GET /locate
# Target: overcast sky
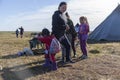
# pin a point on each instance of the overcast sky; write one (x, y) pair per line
(34, 15)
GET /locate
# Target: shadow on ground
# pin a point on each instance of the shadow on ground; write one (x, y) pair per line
(94, 51)
(11, 56)
(22, 72)
(100, 42)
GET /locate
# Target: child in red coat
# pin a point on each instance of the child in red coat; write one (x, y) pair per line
(49, 57)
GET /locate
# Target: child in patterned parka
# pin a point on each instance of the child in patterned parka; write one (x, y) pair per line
(49, 57)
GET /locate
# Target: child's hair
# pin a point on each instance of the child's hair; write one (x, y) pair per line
(86, 21)
(84, 18)
(45, 32)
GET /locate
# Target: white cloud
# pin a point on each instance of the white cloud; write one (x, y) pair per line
(31, 21)
(95, 10)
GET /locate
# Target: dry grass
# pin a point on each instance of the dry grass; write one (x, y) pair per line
(102, 64)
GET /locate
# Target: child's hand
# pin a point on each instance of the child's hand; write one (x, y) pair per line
(46, 51)
(81, 32)
(36, 36)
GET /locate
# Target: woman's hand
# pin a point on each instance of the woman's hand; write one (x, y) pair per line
(67, 27)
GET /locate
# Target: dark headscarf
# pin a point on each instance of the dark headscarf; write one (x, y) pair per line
(62, 3)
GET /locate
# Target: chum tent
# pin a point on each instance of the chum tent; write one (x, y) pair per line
(109, 29)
